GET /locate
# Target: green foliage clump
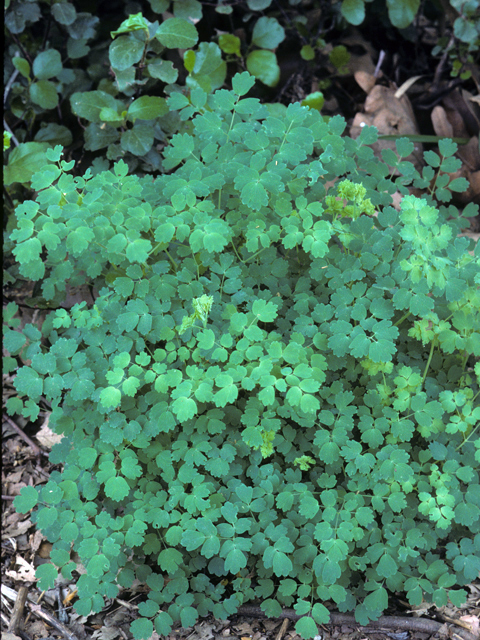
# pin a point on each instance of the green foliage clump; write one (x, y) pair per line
(275, 395)
(112, 87)
(73, 77)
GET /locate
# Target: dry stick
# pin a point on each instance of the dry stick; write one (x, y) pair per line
(460, 623)
(385, 622)
(8, 86)
(18, 609)
(441, 65)
(381, 58)
(35, 447)
(12, 136)
(53, 622)
(39, 599)
(282, 630)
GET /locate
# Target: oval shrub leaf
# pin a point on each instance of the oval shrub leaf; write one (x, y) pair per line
(177, 33)
(268, 33)
(353, 11)
(89, 104)
(47, 64)
(263, 65)
(138, 140)
(64, 13)
(147, 108)
(125, 51)
(44, 94)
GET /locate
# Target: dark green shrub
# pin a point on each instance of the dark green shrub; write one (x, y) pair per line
(276, 393)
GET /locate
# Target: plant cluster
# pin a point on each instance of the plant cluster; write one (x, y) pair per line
(464, 46)
(275, 395)
(71, 76)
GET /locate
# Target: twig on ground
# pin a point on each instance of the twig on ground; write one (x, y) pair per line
(384, 622)
(459, 623)
(18, 609)
(39, 599)
(38, 611)
(441, 65)
(282, 630)
(35, 447)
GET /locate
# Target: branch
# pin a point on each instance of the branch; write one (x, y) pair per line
(385, 622)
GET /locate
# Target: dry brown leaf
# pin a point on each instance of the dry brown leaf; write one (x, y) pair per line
(25, 573)
(17, 529)
(406, 86)
(448, 123)
(365, 80)
(46, 437)
(441, 123)
(363, 61)
(44, 550)
(469, 154)
(35, 541)
(473, 623)
(37, 628)
(15, 488)
(106, 633)
(458, 104)
(15, 476)
(391, 116)
(75, 295)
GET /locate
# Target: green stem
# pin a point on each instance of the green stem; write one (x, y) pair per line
(196, 265)
(255, 254)
(236, 253)
(468, 437)
(404, 317)
(175, 266)
(430, 356)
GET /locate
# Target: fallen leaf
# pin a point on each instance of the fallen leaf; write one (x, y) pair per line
(106, 633)
(35, 541)
(365, 81)
(473, 623)
(25, 573)
(38, 629)
(406, 86)
(69, 597)
(450, 123)
(17, 529)
(391, 116)
(44, 550)
(15, 477)
(441, 124)
(363, 61)
(46, 437)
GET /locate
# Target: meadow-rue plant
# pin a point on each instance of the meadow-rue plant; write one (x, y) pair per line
(275, 395)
